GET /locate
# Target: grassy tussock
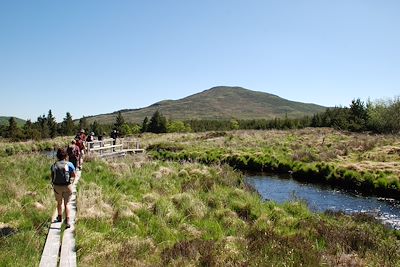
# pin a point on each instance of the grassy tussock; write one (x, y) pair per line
(192, 215)
(368, 163)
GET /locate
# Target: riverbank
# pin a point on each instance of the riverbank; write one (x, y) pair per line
(367, 163)
(139, 212)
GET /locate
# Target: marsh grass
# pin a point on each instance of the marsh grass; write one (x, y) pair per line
(189, 214)
(368, 163)
(26, 206)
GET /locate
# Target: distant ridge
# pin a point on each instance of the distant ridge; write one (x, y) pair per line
(218, 103)
(4, 120)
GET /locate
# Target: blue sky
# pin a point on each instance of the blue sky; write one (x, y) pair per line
(94, 56)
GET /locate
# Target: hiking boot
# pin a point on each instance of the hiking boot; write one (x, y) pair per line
(67, 225)
(58, 219)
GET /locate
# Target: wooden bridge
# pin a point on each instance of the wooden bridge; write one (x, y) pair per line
(107, 148)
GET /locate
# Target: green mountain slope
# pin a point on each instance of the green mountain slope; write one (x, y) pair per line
(4, 121)
(219, 103)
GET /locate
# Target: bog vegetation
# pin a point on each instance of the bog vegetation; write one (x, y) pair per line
(363, 162)
(140, 211)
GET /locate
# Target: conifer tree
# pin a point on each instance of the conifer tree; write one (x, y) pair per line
(52, 124)
(96, 128)
(43, 126)
(145, 125)
(68, 127)
(158, 123)
(83, 124)
(119, 121)
(12, 130)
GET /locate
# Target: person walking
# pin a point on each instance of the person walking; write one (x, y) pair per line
(62, 175)
(73, 152)
(114, 135)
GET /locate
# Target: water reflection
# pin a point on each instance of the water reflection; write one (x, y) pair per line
(322, 198)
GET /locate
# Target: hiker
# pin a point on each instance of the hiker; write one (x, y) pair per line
(73, 152)
(114, 135)
(100, 136)
(90, 139)
(62, 174)
(82, 135)
(80, 143)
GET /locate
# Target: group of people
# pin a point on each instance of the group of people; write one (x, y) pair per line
(63, 171)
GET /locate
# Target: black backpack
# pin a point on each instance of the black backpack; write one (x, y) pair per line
(60, 173)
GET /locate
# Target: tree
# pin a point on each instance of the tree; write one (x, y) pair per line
(12, 129)
(83, 124)
(125, 130)
(43, 126)
(96, 128)
(358, 116)
(28, 130)
(68, 127)
(51, 124)
(119, 121)
(234, 124)
(136, 129)
(176, 127)
(145, 125)
(158, 123)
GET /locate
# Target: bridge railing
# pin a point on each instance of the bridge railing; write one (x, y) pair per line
(107, 146)
(102, 146)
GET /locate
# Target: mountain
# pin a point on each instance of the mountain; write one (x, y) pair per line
(4, 121)
(219, 103)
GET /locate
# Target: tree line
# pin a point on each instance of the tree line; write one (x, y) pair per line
(377, 117)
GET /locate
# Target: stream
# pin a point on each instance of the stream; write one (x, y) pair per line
(321, 198)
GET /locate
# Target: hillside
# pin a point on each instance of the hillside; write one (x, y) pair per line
(219, 103)
(4, 121)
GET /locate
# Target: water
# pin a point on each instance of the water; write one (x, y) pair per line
(322, 198)
(49, 154)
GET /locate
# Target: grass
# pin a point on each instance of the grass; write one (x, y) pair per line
(139, 212)
(368, 163)
(26, 204)
(15, 148)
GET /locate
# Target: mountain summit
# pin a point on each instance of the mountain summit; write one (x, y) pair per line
(219, 103)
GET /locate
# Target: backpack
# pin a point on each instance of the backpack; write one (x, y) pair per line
(60, 173)
(80, 144)
(73, 152)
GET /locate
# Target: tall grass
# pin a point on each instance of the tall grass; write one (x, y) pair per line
(26, 205)
(188, 214)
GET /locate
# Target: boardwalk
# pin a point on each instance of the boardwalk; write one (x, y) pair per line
(61, 251)
(107, 148)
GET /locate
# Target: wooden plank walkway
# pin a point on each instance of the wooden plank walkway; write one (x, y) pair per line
(106, 148)
(63, 252)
